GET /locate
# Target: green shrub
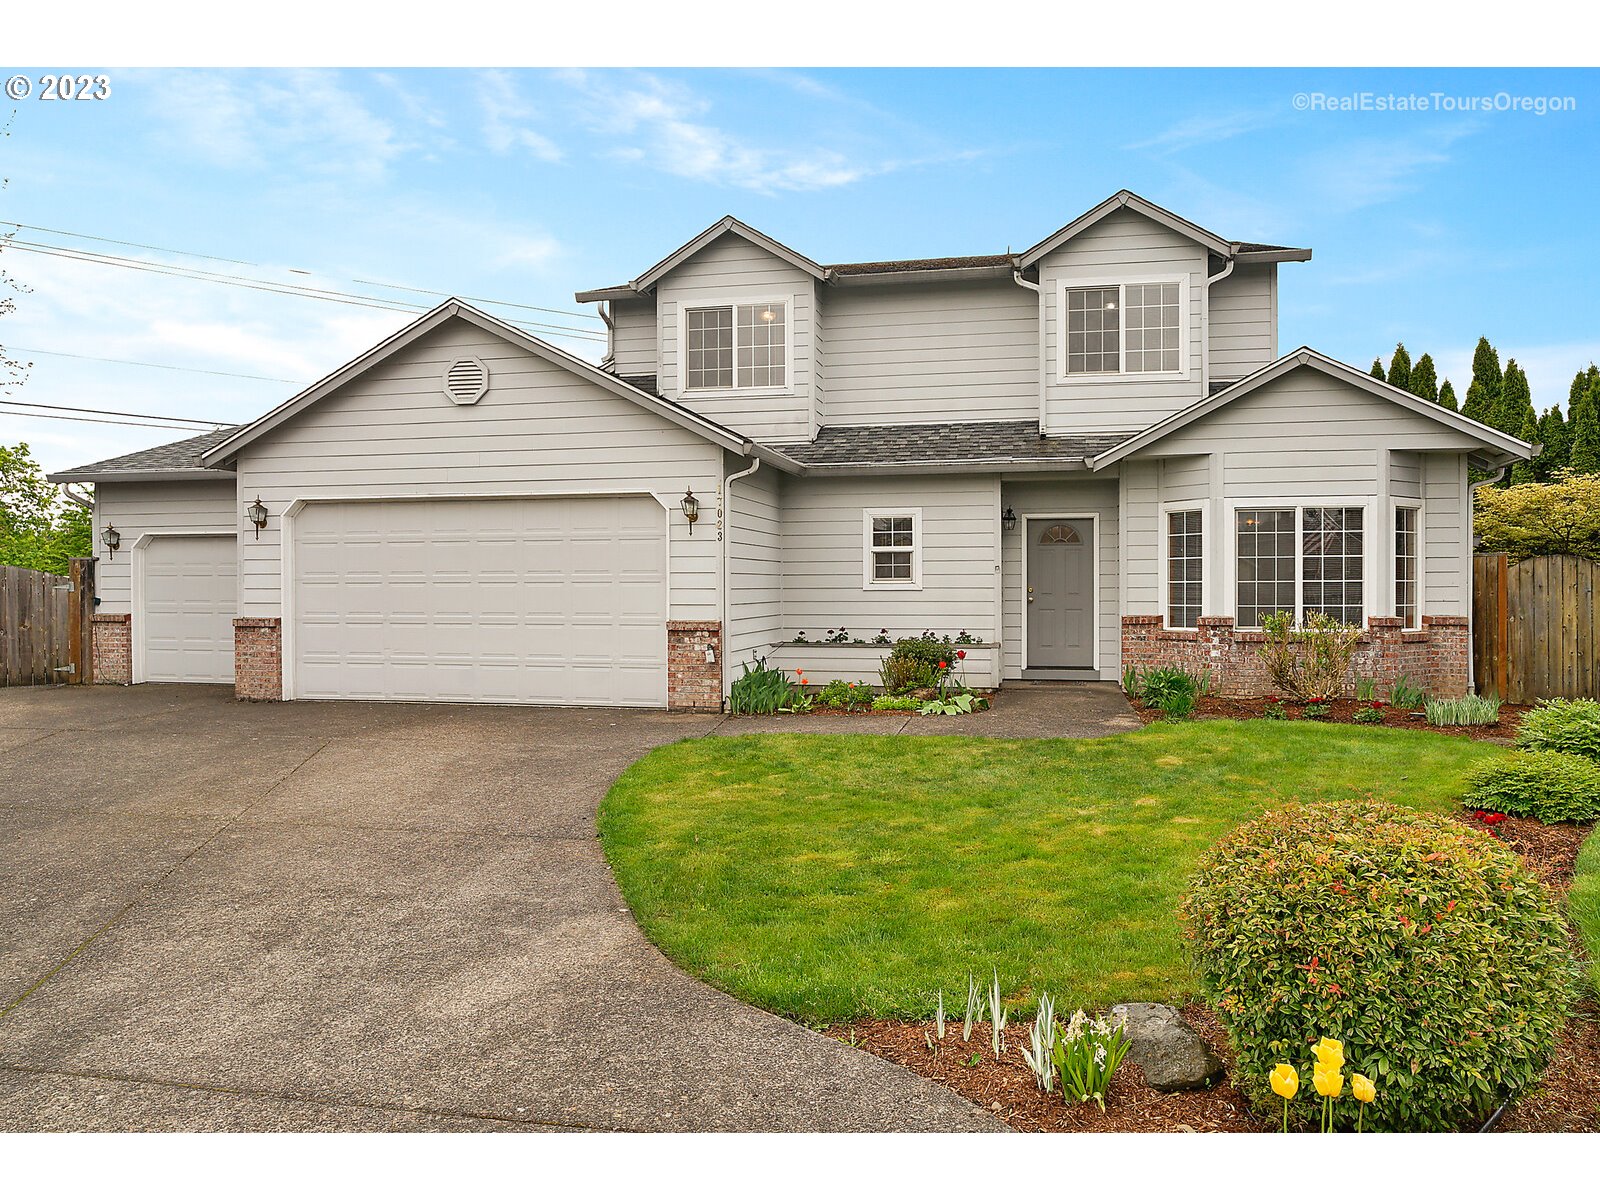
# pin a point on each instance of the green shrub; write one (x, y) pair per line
(1570, 726)
(1173, 691)
(763, 689)
(1468, 710)
(1543, 784)
(924, 662)
(896, 704)
(839, 694)
(1308, 660)
(1583, 904)
(1369, 714)
(1427, 948)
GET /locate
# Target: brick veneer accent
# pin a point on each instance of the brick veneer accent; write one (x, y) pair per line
(693, 684)
(1436, 658)
(258, 658)
(113, 647)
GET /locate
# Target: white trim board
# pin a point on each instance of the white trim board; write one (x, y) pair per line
(139, 673)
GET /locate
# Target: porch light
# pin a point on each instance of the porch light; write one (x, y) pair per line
(691, 508)
(257, 513)
(1008, 519)
(112, 539)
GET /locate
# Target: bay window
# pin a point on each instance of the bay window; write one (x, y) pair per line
(1299, 560)
(1405, 566)
(1184, 569)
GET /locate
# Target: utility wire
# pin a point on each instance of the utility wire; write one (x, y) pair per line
(240, 262)
(190, 429)
(117, 412)
(131, 362)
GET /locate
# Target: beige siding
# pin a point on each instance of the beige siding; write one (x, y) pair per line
(1096, 497)
(755, 571)
(1405, 475)
(732, 270)
(823, 557)
(1122, 246)
(1242, 335)
(140, 508)
(1447, 543)
(938, 352)
(540, 430)
(633, 337)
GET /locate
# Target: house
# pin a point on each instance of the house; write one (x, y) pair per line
(1087, 456)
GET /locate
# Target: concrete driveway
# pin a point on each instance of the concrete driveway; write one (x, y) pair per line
(361, 916)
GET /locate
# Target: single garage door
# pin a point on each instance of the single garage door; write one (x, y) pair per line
(547, 601)
(190, 591)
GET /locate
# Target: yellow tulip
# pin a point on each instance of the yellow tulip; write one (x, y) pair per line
(1285, 1081)
(1329, 1081)
(1330, 1053)
(1363, 1089)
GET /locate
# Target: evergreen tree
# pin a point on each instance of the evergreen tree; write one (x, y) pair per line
(1425, 379)
(1447, 396)
(1377, 368)
(1523, 472)
(1556, 438)
(1585, 457)
(1483, 393)
(1516, 402)
(1400, 368)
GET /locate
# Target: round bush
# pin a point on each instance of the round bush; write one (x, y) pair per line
(1570, 726)
(1427, 948)
(1543, 784)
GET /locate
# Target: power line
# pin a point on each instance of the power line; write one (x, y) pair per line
(110, 421)
(116, 412)
(240, 262)
(131, 362)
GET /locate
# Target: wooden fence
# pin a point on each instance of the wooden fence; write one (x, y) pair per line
(1535, 627)
(45, 635)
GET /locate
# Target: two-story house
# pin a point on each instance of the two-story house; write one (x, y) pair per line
(1087, 455)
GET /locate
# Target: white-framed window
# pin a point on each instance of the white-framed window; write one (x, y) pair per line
(1300, 559)
(892, 548)
(1185, 568)
(1132, 327)
(731, 346)
(1407, 560)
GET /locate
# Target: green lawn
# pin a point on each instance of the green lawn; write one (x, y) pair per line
(841, 876)
(1583, 902)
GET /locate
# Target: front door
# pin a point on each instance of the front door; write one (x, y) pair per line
(1060, 603)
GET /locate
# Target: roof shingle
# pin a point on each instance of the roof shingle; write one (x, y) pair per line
(174, 456)
(979, 444)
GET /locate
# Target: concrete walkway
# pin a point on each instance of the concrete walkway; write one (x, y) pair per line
(371, 916)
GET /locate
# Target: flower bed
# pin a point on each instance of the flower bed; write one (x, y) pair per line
(1344, 712)
(822, 661)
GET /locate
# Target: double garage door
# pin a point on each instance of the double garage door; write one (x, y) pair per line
(539, 601)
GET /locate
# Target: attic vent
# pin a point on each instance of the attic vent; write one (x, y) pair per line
(466, 380)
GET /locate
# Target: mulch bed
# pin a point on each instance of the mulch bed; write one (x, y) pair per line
(1343, 711)
(1569, 1101)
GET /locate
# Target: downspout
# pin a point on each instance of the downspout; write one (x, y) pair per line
(1016, 277)
(1205, 329)
(727, 521)
(603, 308)
(75, 498)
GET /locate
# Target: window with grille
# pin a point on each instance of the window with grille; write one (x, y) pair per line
(736, 346)
(1300, 561)
(1405, 566)
(1132, 328)
(1266, 563)
(893, 553)
(1184, 569)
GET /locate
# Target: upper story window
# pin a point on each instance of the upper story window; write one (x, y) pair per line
(1125, 328)
(737, 346)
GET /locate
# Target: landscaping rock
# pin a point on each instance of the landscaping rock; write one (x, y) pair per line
(1170, 1053)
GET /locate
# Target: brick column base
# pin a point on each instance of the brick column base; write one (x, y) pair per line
(693, 684)
(1436, 658)
(113, 647)
(258, 658)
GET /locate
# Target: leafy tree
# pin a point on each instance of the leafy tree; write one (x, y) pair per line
(1516, 401)
(1425, 379)
(38, 530)
(1529, 519)
(1377, 368)
(1585, 456)
(1483, 393)
(1556, 437)
(1400, 368)
(1447, 396)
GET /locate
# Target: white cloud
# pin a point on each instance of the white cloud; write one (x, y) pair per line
(506, 117)
(1205, 130)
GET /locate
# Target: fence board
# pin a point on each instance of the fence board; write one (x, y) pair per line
(44, 618)
(1536, 632)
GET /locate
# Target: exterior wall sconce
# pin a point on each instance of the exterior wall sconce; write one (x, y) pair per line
(257, 513)
(112, 539)
(691, 508)
(1008, 519)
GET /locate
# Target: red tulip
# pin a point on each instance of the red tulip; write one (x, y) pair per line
(961, 653)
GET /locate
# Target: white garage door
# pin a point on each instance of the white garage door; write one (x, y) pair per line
(548, 601)
(190, 596)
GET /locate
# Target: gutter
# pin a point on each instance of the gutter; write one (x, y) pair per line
(166, 475)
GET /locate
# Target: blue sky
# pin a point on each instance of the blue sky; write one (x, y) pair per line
(1432, 226)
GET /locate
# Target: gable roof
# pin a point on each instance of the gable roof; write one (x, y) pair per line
(946, 446)
(454, 309)
(170, 463)
(1509, 448)
(1218, 245)
(728, 224)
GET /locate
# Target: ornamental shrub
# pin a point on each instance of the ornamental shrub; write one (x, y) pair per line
(839, 693)
(1570, 726)
(1175, 692)
(1543, 784)
(1311, 660)
(1427, 948)
(924, 662)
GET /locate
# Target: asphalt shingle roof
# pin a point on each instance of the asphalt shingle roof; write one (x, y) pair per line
(170, 457)
(921, 264)
(979, 443)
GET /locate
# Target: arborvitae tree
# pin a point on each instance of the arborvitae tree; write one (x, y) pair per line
(1483, 393)
(1400, 368)
(1425, 379)
(1516, 401)
(1377, 368)
(1447, 396)
(1556, 438)
(1523, 472)
(1585, 458)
